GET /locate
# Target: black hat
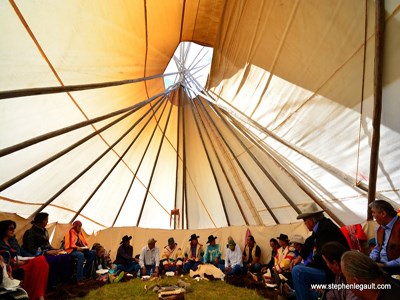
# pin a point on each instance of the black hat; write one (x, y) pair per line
(125, 238)
(283, 237)
(193, 237)
(211, 238)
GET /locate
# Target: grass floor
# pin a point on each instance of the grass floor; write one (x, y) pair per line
(200, 290)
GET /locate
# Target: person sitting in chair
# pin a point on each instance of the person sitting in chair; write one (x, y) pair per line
(75, 244)
(387, 250)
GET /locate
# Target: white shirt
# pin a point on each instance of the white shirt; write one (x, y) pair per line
(233, 258)
(149, 257)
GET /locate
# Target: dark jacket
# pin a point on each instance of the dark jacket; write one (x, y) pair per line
(34, 238)
(327, 232)
(124, 255)
(14, 250)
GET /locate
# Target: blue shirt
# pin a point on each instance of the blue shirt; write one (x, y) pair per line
(212, 252)
(381, 256)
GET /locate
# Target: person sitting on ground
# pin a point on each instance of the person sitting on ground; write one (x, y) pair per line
(284, 256)
(233, 259)
(323, 231)
(251, 256)
(125, 260)
(35, 270)
(149, 259)
(213, 252)
(75, 244)
(331, 253)
(361, 271)
(36, 242)
(297, 241)
(387, 251)
(193, 254)
(171, 257)
(274, 246)
(100, 270)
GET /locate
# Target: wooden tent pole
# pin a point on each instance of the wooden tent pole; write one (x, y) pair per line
(156, 160)
(260, 144)
(221, 165)
(376, 121)
(239, 182)
(74, 88)
(335, 171)
(184, 188)
(72, 181)
(154, 109)
(241, 166)
(109, 173)
(44, 163)
(144, 152)
(196, 118)
(49, 135)
(177, 159)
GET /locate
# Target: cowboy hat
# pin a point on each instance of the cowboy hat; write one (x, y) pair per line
(125, 238)
(297, 238)
(283, 237)
(211, 238)
(309, 210)
(151, 241)
(193, 237)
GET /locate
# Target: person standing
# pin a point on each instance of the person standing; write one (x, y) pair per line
(149, 259)
(75, 244)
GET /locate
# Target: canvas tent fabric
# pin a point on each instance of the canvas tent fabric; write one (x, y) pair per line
(111, 237)
(284, 120)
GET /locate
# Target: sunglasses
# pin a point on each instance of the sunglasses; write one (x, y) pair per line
(11, 228)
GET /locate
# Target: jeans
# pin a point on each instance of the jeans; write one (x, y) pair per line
(303, 277)
(149, 269)
(236, 269)
(256, 268)
(89, 255)
(190, 265)
(133, 267)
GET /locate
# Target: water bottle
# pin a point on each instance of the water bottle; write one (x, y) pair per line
(38, 251)
(138, 273)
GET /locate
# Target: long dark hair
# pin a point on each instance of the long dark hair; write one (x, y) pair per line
(39, 218)
(275, 241)
(4, 225)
